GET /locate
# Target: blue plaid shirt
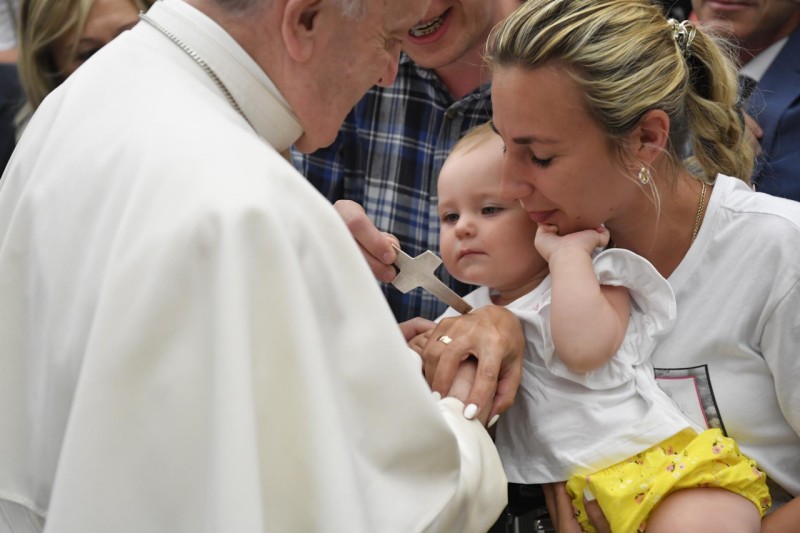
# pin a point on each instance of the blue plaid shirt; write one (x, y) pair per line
(387, 157)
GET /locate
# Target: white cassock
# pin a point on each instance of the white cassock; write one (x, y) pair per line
(190, 340)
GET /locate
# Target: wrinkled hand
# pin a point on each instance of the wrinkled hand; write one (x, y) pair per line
(416, 328)
(418, 343)
(562, 515)
(494, 336)
(376, 245)
(549, 242)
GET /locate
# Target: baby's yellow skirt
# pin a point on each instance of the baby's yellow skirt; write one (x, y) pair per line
(628, 491)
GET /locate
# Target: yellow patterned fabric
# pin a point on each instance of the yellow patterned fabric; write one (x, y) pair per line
(628, 491)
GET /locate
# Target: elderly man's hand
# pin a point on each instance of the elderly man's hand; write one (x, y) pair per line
(493, 335)
(375, 244)
(416, 330)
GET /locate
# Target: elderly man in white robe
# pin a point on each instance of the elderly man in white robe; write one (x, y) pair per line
(190, 339)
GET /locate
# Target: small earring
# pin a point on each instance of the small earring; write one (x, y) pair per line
(644, 175)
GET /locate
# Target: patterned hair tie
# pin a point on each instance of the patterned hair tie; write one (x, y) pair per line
(683, 33)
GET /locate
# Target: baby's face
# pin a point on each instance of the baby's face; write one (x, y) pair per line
(485, 240)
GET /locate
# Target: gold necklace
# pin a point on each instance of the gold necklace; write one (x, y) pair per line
(699, 216)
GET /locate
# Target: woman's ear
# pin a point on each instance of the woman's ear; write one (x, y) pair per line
(300, 27)
(649, 139)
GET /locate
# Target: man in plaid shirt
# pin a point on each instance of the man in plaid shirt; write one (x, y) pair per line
(392, 145)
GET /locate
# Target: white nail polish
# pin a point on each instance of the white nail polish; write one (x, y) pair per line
(470, 411)
(436, 396)
(493, 421)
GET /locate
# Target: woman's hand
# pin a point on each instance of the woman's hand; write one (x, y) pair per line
(493, 335)
(375, 244)
(562, 515)
(559, 507)
(464, 376)
(462, 383)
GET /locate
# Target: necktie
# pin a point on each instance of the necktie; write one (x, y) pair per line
(746, 87)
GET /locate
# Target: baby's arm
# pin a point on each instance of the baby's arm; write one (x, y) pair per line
(588, 320)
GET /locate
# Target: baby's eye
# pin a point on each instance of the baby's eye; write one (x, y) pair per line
(450, 218)
(491, 210)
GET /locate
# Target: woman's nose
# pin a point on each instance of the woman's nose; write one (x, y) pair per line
(513, 185)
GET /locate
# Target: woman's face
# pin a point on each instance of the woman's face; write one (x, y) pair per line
(106, 20)
(558, 163)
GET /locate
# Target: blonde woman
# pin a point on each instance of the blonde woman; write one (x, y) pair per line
(57, 36)
(591, 321)
(596, 101)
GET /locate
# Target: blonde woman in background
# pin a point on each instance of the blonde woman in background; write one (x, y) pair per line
(57, 36)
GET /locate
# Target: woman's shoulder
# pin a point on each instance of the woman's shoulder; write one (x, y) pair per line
(739, 197)
(749, 234)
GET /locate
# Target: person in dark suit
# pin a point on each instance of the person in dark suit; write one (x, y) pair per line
(677, 9)
(768, 35)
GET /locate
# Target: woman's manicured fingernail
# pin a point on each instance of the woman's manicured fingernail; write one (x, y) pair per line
(437, 396)
(470, 411)
(493, 421)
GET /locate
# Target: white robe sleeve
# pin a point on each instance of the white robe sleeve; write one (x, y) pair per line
(241, 372)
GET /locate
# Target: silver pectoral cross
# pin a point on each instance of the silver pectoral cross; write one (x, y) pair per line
(419, 272)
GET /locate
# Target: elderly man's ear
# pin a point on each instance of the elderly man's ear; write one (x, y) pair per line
(300, 26)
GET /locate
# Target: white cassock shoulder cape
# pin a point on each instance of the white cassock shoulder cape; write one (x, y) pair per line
(190, 340)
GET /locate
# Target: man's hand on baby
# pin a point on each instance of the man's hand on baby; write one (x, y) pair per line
(376, 245)
(548, 242)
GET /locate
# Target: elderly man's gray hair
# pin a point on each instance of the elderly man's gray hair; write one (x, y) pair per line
(350, 8)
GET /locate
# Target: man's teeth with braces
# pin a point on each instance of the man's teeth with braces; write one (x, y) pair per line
(427, 28)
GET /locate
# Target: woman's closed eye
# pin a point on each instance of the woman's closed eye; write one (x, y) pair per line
(541, 162)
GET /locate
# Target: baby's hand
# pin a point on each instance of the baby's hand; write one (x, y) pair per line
(548, 241)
